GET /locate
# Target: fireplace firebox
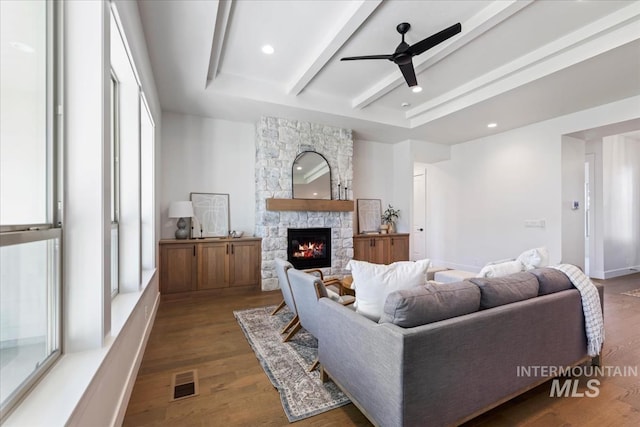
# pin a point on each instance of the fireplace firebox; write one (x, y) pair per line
(309, 247)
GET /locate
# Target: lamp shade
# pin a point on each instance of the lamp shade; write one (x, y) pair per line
(181, 210)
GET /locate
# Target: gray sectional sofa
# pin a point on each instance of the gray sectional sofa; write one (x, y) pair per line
(444, 353)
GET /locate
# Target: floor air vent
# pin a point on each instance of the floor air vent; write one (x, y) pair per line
(184, 384)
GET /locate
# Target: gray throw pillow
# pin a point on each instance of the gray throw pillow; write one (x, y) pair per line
(506, 289)
(551, 280)
(430, 303)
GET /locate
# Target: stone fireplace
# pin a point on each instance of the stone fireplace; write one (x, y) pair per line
(278, 142)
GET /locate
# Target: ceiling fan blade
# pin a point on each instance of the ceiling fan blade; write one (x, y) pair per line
(409, 73)
(354, 58)
(434, 40)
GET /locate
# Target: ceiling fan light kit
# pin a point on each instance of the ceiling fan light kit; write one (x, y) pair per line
(404, 53)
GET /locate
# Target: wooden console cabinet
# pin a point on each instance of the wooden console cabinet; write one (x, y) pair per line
(197, 265)
(381, 248)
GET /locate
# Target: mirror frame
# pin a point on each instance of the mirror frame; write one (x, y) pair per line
(293, 171)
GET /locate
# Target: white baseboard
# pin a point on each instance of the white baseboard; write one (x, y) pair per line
(609, 274)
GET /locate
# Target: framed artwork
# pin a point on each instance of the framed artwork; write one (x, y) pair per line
(211, 215)
(369, 214)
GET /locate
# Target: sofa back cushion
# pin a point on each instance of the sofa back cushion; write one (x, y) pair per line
(507, 289)
(551, 280)
(430, 303)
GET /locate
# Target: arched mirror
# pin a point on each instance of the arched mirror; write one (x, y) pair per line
(311, 176)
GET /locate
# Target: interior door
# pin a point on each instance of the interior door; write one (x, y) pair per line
(418, 234)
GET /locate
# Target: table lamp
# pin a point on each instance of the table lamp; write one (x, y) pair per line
(181, 210)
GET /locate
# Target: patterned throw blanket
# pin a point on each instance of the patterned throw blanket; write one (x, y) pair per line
(591, 307)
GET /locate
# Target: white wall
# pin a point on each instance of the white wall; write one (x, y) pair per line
(205, 155)
(480, 198)
(372, 174)
(402, 193)
(572, 238)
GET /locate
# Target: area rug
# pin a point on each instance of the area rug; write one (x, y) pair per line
(634, 293)
(302, 393)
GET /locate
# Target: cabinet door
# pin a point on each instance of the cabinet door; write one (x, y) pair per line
(378, 251)
(361, 247)
(211, 265)
(178, 264)
(244, 263)
(399, 248)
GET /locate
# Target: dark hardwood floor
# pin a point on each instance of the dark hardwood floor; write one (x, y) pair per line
(202, 333)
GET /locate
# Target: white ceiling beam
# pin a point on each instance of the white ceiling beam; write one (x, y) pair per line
(352, 20)
(480, 23)
(609, 32)
(217, 43)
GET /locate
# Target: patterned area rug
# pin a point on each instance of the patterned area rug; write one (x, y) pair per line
(634, 293)
(302, 393)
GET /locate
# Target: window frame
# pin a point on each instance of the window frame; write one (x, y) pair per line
(115, 183)
(17, 234)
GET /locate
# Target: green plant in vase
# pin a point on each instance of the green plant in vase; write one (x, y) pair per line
(390, 216)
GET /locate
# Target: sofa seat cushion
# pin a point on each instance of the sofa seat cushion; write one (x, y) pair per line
(373, 282)
(430, 303)
(506, 289)
(551, 280)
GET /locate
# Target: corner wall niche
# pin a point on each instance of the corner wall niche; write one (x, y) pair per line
(278, 143)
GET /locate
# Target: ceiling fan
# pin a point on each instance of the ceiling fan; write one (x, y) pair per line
(404, 52)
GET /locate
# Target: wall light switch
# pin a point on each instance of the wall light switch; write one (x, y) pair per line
(535, 223)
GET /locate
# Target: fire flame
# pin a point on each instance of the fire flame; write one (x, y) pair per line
(310, 250)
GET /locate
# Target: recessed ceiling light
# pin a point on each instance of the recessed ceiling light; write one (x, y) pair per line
(492, 125)
(299, 168)
(416, 89)
(267, 49)
(315, 194)
(405, 104)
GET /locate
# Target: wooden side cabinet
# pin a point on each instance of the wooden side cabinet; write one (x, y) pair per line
(381, 248)
(212, 264)
(178, 268)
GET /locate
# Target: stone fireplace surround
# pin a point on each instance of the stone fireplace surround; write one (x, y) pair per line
(278, 142)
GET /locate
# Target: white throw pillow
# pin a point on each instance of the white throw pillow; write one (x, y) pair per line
(501, 269)
(373, 282)
(534, 258)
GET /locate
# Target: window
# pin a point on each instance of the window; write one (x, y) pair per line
(115, 185)
(133, 169)
(29, 242)
(146, 186)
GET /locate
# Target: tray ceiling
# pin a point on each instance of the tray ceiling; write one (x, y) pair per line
(514, 63)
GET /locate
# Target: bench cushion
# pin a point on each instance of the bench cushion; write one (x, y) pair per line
(430, 303)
